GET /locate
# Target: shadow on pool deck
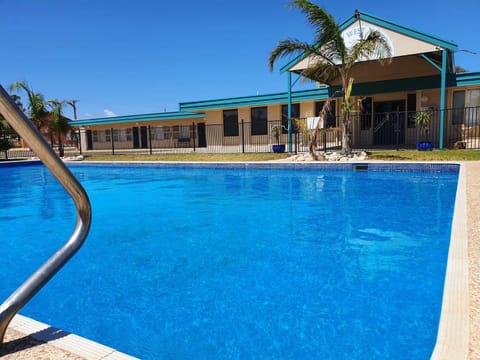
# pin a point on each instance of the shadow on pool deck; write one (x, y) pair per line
(18, 346)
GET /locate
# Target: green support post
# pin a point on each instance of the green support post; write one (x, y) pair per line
(442, 96)
(289, 112)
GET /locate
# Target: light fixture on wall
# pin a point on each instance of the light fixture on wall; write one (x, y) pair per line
(424, 99)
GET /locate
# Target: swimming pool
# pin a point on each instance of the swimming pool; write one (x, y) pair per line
(214, 262)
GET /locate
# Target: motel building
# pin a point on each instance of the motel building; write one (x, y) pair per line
(421, 77)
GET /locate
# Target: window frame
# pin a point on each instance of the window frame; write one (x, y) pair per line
(230, 122)
(259, 120)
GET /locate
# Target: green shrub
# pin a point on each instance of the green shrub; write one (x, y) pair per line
(5, 145)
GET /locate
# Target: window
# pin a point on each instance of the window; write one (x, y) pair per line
(122, 134)
(411, 110)
(101, 136)
(458, 116)
(472, 102)
(259, 120)
(128, 134)
(185, 132)
(157, 132)
(295, 115)
(230, 122)
(167, 132)
(331, 120)
(176, 131)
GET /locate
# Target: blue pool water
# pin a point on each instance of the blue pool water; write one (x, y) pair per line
(212, 263)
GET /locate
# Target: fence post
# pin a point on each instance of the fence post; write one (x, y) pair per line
(80, 141)
(113, 141)
(295, 134)
(193, 135)
(397, 129)
(150, 138)
(243, 137)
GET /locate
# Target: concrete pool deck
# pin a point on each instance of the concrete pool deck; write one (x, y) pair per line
(28, 339)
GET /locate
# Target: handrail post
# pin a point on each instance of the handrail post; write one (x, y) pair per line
(38, 144)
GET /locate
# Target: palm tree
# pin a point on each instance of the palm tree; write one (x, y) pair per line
(59, 125)
(73, 104)
(333, 59)
(36, 103)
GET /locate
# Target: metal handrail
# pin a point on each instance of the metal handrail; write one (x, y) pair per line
(25, 128)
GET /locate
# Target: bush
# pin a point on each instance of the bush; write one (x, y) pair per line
(5, 145)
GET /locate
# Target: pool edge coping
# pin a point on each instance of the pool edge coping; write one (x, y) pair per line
(453, 334)
(71, 343)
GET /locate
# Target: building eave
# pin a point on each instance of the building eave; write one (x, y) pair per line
(277, 98)
(177, 115)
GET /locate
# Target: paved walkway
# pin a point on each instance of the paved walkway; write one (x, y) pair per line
(473, 222)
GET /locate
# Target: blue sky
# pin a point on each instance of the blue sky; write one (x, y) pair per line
(145, 56)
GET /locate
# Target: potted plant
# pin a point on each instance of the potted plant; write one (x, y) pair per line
(422, 120)
(277, 132)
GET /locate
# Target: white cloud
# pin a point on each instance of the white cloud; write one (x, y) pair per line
(109, 113)
(88, 115)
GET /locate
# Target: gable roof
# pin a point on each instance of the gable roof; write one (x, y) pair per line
(436, 42)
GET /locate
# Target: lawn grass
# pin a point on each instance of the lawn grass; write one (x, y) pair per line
(191, 157)
(387, 155)
(415, 155)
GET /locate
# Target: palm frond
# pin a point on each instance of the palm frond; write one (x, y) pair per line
(60, 123)
(322, 72)
(374, 46)
(20, 85)
(288, 47)
(326, 28)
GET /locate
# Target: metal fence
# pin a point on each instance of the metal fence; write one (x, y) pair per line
(389, 130)
(245, 137)
(400, 129)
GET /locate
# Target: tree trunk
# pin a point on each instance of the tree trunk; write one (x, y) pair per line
(61, 152)
(346, 146)
(313, 145)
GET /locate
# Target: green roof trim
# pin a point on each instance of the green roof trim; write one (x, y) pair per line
(449, 45)
(467, 79)
(174, 115)
(396, 85)
(277, 98)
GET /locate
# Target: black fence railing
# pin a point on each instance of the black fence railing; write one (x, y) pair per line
(389, 130)
(401, 129)
(244, 137)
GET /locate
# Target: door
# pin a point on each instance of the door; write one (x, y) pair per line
(389, 122)
(202, 139)
(136, 140)
(143, 137)
(89, 140)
